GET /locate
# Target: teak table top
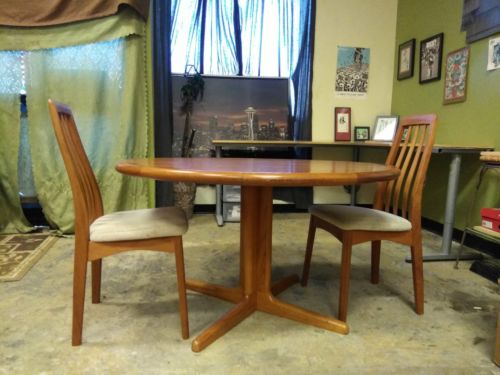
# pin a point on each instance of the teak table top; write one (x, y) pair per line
(258, 172)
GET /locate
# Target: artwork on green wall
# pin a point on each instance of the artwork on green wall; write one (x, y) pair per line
(406, 59)
(431, 54)
(455, 80)
(494, 53)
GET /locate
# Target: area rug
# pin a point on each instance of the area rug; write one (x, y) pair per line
(19, 252)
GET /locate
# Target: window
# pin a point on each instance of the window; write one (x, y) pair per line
(237, 37)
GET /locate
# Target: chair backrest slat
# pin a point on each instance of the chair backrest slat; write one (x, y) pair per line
(418, 134)
(404, 159)
(410, 152)
(86, 195)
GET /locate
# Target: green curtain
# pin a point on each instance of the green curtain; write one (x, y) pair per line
(11, 214)
(105, 84)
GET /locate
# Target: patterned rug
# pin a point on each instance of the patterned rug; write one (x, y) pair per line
(19, 252)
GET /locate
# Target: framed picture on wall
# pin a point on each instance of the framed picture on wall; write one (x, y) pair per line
(385, 128)
(406, 59)
(361, 133)
(493, 54)
(342, 123)
(431, 54)
(455, 79)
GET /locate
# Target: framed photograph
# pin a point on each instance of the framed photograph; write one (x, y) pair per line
(406, 59)
(385, 128)
(455, 79)
(431, 54)
(342, 123)
(361, 133)
(493, 54)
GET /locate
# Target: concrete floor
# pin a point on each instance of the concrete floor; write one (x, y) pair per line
(135, 330)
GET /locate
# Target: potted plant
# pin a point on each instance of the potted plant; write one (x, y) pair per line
(191, 91)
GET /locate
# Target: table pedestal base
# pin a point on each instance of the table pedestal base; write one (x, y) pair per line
(255, 292)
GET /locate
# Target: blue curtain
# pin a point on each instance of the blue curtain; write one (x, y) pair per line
(480, 19)
(162, 97)
(272, 38)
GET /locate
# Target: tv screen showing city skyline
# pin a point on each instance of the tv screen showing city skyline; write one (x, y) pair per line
(228, 105)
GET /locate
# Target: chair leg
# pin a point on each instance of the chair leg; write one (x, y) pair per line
(375, 262)
(345, 276)
(96, 280)
(418, 277)
(181, 285)
(309, 249)
(79, 279)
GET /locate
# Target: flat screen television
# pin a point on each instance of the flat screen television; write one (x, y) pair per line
(229, 105)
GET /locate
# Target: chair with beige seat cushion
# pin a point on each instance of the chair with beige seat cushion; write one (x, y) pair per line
(98, 235)
(395, 216)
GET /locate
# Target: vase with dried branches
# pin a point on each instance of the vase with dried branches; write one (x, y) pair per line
(191, 91)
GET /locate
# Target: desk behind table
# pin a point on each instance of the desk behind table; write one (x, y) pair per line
(456, 153)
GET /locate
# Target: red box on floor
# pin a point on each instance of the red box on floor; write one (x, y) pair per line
(490, 219)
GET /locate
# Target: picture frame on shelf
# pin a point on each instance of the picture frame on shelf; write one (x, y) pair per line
(406, 59)
(431, 55)
(361, 133)
(385, 128)
(455, 79)
(342, 124)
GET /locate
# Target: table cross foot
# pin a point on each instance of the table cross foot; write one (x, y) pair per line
(271, 305)
(234, 316)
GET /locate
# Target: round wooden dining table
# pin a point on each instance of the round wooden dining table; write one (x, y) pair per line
(257, 178)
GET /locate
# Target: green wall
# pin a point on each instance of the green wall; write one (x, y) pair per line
(475, 122)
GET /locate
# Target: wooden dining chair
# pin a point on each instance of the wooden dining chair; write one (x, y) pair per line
(395, 216)
(98, 236)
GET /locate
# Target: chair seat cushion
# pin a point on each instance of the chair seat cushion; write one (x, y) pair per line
(139, 224)
(360, 218)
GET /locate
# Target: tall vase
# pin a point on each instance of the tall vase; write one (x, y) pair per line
(184, 195)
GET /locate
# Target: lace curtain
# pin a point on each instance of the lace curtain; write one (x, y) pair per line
(105, 84)
(11, 216)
